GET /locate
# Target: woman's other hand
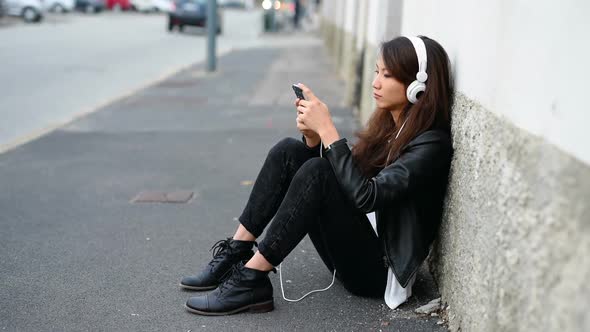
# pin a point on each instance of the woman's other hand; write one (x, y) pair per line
(314, 115)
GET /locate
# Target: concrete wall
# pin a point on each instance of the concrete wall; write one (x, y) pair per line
(512, 252)
(512, 249)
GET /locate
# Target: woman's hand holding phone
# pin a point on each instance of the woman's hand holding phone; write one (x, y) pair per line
(311, 138)
(313, 115)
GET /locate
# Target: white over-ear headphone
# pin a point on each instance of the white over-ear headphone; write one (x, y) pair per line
(419, 85)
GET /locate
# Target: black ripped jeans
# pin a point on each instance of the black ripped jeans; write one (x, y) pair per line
(300, 194)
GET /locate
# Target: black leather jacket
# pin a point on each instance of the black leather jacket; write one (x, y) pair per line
(407, 196)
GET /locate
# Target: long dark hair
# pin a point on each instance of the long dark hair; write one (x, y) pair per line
(432, 111)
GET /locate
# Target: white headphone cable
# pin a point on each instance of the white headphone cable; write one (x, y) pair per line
(281, 268)
(304, 296)
(396, 136)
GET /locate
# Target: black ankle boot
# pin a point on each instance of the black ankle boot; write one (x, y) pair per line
(245, 289)
(226, 253)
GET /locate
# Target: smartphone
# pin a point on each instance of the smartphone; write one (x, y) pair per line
(298, 92)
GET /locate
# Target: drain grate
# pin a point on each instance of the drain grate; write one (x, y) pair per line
(179, 196)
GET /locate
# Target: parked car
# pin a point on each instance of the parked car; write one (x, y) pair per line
(118, 4)
(239, 4)
(147, 6)
(59, 6)
(192, 13)
(89, 6)
(29, 10)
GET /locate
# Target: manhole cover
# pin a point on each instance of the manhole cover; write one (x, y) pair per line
(179, 196)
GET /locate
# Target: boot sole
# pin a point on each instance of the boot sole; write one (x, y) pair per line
(196, 288)
(255, 308)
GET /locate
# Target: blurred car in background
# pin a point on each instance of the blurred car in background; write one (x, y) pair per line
(59, 6)
(192, 13)
(89, 6)
(118, 4)
(147, 6)
(239, 4)
(29, 10)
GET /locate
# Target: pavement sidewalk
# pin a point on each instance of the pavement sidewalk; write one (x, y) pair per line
(78, 254)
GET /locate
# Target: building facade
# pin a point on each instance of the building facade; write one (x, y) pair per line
(512, 251)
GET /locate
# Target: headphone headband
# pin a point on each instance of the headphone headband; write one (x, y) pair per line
(419, 85)
(420, 48)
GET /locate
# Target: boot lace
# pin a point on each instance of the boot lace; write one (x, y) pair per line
(233, 276)
(230, 278)
(219, 248)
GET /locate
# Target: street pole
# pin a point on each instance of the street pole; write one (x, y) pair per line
(211, 34)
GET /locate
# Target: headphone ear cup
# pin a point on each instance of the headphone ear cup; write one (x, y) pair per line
(413, 90)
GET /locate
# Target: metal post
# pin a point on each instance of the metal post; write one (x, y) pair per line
(211, 34)
(273, 23)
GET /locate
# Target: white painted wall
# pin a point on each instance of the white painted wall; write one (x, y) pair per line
(361, 27)
(328, 10)
(522, 59)
(340, 7)
(350, 15)
(377, 14)
(392, 20)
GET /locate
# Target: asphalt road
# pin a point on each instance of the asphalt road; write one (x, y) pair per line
(69, 65)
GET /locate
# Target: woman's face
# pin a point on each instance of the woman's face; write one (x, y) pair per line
(388, 92)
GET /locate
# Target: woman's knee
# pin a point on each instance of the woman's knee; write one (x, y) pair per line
(317, 165)
(316, 171)
(286, 145)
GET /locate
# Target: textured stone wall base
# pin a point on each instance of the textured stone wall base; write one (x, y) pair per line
(513, 252)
